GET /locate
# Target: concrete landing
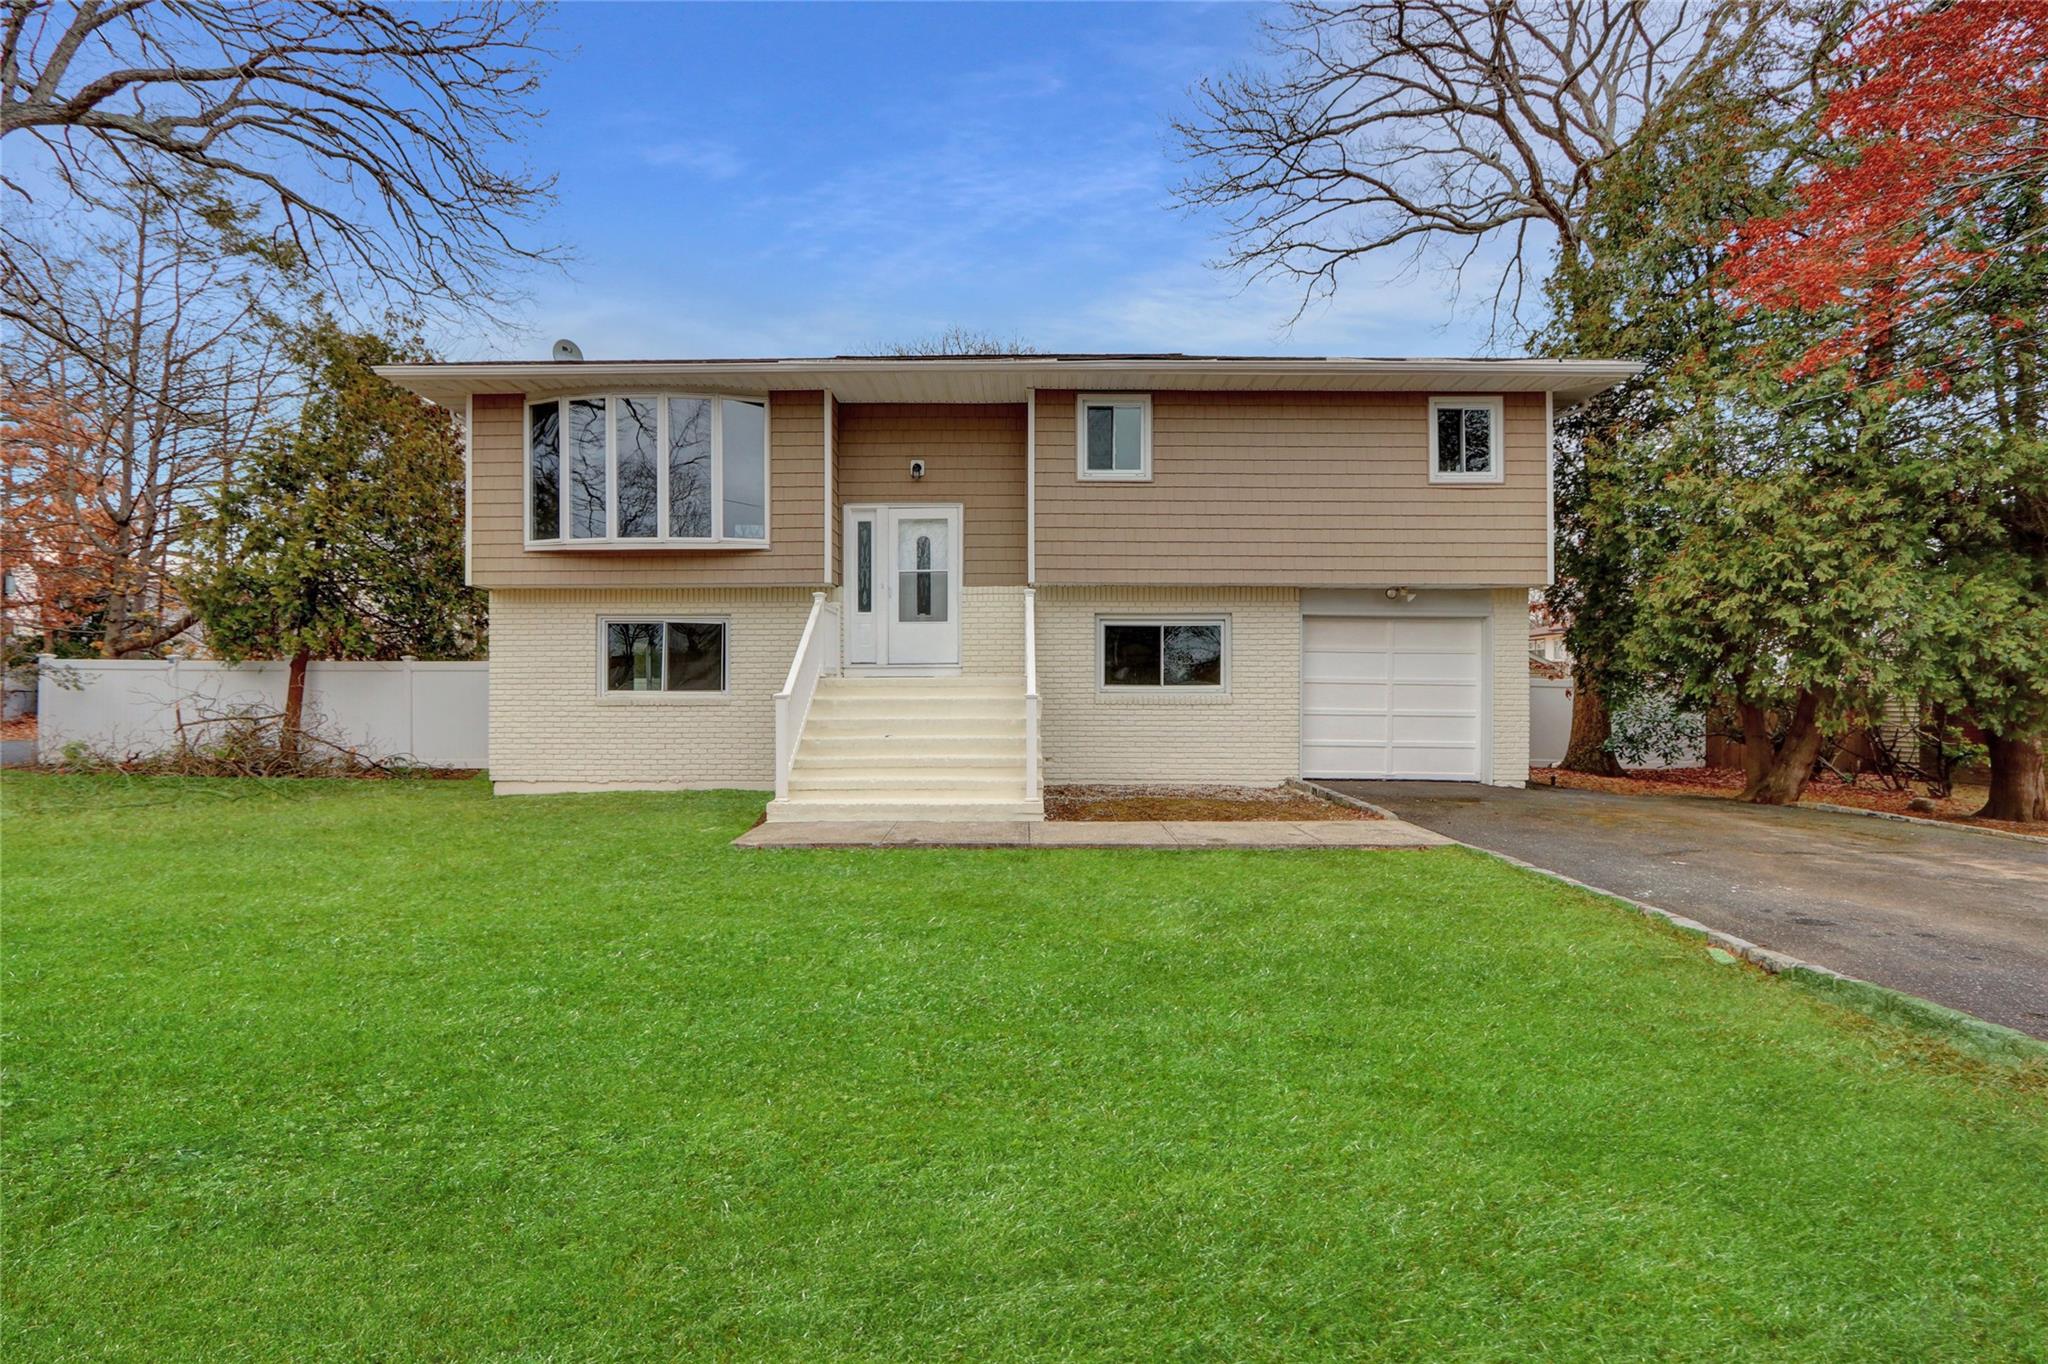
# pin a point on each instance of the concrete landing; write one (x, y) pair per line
(1333, 833)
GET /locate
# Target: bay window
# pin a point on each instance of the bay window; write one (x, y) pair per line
(634, 471)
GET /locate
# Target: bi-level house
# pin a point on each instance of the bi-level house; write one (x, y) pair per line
(921, 588)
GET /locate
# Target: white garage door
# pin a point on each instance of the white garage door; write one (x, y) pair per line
(1391, 698)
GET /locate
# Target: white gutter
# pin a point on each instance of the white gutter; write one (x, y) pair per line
(1030, 487)
(831, 522)
(1007, 379)
(1550, 490)
(1038, 368)
(469, 490)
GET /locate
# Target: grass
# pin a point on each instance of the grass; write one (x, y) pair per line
(397, 1071)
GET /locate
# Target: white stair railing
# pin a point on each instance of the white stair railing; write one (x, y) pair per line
(817, 655)
(1032, 787)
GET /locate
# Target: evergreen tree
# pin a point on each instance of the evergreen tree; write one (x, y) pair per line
(341, 536)
(1639, 285)
(1915, 253)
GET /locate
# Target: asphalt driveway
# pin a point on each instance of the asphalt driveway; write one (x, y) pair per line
(1956, 917)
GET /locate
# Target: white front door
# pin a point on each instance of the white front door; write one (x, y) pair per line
(902, 586)
(1393, 697)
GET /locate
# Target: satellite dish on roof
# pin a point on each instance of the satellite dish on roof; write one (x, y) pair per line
(565, 349)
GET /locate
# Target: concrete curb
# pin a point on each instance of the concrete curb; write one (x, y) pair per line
(1768, 958)
(1916, 819)
(1244, 835)
(1339, 798)
(1989, 1036)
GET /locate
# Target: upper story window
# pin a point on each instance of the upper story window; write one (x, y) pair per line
(1465, 440)
(630, 471)
(1115, 436)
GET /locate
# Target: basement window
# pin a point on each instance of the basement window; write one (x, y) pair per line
(652, 657)
(1179, 655)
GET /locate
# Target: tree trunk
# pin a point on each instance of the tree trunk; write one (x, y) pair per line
(1586, 751)
(1777, 773)
(294, 708)
(2018, 791)
(1757, 749)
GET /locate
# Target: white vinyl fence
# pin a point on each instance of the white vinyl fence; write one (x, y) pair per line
(1550, 720)
(1550, 729)
(432, 714)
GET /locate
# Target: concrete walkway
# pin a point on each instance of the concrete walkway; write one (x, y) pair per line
(1331, 833)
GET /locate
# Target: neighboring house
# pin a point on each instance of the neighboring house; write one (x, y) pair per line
(912, 587)
(17, 587)
(1546, 643)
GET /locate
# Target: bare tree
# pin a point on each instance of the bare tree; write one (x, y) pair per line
(1442, 133)
(146, 367)
(958, 340)
(371, 134)
(1391, 127)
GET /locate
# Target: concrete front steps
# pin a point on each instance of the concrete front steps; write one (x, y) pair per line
(911, 748)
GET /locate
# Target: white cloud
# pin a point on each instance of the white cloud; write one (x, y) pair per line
(713, 160)
(1014, 80)
(1187, 305)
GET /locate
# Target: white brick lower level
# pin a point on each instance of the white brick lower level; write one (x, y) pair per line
(553, 730)
(1249, 734)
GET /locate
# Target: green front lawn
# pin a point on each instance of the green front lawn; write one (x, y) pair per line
(399, 1071)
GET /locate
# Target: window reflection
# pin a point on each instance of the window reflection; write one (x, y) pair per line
(639, 480)
(689, 468)
(587, 468)
(545, 458)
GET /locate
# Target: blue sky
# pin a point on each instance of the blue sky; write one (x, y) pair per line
(812, 179)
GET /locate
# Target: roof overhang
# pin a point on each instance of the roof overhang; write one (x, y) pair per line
(1006, 379)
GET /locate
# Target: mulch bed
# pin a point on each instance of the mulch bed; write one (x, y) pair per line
(1827, 789)
(24, 728)
(1231, 803)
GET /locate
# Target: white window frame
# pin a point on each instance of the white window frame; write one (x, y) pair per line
(1497, 472)
(1102, 624)
(612, 540)
(662, 696)
(1141, 401)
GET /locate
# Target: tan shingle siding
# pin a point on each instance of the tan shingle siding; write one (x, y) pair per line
(973, 455)
(1282, 488)
(1304, 489)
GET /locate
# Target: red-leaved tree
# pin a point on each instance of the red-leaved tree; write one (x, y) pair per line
(50, 520)
(1945, 105)
(1917, 248)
